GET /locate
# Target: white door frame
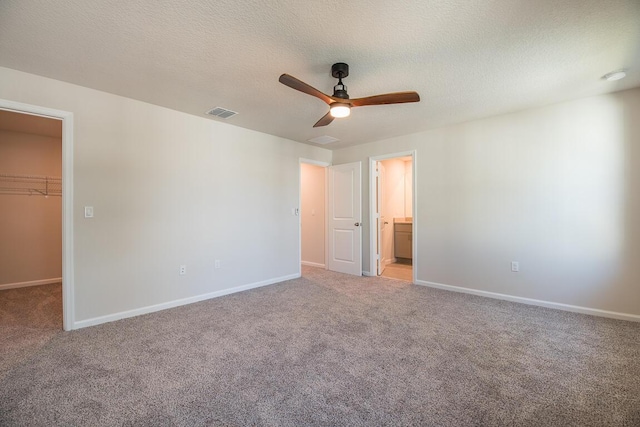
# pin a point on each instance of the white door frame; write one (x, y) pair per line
(372, 209)
(326, 219)
(68, 301)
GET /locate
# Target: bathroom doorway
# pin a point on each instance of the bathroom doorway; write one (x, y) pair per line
(392, 205)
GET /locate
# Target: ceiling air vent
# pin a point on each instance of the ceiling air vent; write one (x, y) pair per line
(223, 113)
(325, 139)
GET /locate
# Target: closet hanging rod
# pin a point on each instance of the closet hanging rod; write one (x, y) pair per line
(30, 185)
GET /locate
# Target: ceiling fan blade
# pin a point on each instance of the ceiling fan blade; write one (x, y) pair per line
(325, 120)
(296, 84)
(387, 98)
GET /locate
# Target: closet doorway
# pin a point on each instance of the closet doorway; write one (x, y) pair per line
(31, 232)
(36, 165)
(392, 206)
(313, 213)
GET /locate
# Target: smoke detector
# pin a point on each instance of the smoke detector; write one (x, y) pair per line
(615, 75)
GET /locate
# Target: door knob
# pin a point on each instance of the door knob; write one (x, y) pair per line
(357, 224)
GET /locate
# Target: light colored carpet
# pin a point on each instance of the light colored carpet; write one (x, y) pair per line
(29, 318)
(337, 350)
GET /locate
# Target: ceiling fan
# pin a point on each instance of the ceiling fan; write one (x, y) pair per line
(339, 103)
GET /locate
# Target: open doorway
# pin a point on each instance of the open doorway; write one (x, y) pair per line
(392, 205)
(31, 193)
(52, 187)
(31, 232)
(313, 199)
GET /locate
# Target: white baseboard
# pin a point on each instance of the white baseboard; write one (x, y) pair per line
(312, 264)
(530, 301)
(176, 303)
(30, 283)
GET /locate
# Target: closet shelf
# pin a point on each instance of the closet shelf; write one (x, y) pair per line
(30, 185)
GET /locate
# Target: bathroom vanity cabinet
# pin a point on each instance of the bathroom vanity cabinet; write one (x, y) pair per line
(403, 237)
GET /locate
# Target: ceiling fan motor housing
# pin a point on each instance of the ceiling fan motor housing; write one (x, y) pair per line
(340, 70)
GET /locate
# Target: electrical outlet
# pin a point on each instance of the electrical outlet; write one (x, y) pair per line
(515, 266)
(183, 270)
(217, 264)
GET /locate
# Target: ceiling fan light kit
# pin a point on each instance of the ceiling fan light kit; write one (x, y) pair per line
(339, 110)
(339, 103)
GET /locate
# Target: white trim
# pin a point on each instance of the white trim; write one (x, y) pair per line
(368, 274)
(326, 216)
(414, 213)
(414, 207)
(530, 301)
(30, 283)
(313, 264)
(314, 162)
(373, 224)
(68, 284)
(176, 303)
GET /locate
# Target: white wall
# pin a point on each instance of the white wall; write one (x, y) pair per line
(555, 188)
(168, 189)
(30, 225)
(312, 212)
(394, 191)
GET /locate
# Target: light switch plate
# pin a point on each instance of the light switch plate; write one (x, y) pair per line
(88, 211)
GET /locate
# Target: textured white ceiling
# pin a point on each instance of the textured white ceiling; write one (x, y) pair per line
(466, 59)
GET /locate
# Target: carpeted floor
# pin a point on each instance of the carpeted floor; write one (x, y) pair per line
(332, 349)
(29, 318)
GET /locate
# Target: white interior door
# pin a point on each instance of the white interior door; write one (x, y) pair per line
(345, 218)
